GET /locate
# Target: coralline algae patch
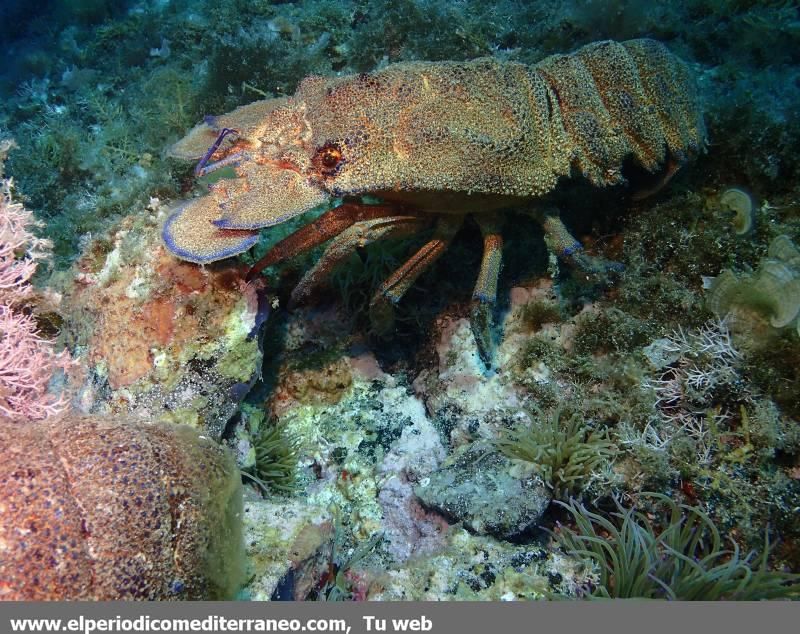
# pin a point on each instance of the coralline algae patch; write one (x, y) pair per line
(166, 338)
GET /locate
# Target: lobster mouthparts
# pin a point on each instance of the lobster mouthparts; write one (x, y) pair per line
(266, 144)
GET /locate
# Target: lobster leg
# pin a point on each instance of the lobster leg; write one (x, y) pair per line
(485, 293)
(360, 234)
(672, 167)
(562, 243)
(381, 308)
(327, 226)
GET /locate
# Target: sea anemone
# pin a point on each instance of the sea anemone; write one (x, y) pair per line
(275, 469)
(684, 560)
(565, 455)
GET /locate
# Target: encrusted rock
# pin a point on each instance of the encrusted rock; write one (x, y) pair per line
(479, 490)
(163, 339)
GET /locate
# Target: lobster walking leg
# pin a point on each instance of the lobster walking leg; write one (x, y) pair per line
(381, 308)
(562, 243)
(358, 235)
(327, 226)
(485, 293)
(672, 168)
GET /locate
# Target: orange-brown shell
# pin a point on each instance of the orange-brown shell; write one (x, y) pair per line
(442, 135)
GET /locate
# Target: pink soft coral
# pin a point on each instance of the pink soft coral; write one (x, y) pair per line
(20, 250)
(27, 361)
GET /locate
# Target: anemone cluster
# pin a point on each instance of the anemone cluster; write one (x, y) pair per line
(678, 556)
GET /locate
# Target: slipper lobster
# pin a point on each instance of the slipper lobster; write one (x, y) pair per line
(435, 142)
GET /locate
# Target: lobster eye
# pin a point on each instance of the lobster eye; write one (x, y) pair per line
(329, 158)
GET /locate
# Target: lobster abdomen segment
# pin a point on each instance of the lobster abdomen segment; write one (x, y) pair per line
(624, 99)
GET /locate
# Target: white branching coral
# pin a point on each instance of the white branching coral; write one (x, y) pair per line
(699, 380)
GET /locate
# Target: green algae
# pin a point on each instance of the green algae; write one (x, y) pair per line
(538, 312)
(610, 330)
(240, 361)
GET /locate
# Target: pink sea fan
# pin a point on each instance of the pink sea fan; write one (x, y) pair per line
(27, 361)
(20, 249)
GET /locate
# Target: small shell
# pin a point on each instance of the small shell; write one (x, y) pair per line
(739, 201)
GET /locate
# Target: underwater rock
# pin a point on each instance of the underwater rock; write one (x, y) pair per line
(163, 339)
(316, 385)
(458, 392)
(110, 508)
(772, 292)
(369, 442)
(408, 528)
(464, 399)
(479, 490)
(662, 352)
(365, 439)
(283, 537)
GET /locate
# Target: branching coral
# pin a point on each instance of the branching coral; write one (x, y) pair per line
(27, 363)
(684, 560)
(20, 250)
(567, 456)
(698, 385)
